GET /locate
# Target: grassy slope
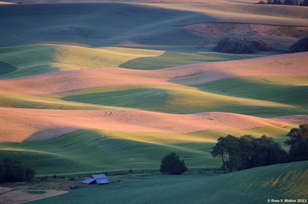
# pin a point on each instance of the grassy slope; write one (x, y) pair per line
(224, 97)
(20, 61)
(105, 151)
(283, 181)
(172, 59)
(229, 95)
(97, 25)
(28, 60)
(31, 60)
(151, 26)
(76, 57)
(115, 150)
(262, 88)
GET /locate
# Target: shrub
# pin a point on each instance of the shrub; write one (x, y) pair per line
(262, 45)
(235, 45)
(171, 164)
(300, 46)
(242, 46)
(130, 171)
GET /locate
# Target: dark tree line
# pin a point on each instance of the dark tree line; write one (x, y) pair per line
(249, 152)
(285, 2)
(13, 171)
(242, 46)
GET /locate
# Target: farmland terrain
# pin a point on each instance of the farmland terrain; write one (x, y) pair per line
(95, 87)
(271, 182)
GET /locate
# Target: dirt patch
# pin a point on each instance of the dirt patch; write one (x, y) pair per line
(11, 196)
(42, 187)
(4, 190)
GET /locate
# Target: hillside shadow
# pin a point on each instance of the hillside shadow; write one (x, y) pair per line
(98, 25)
(6, 68)
(51, 133)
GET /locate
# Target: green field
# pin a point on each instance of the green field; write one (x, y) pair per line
(172, 59)
(104, 152)
(283, 181)
(29, 60)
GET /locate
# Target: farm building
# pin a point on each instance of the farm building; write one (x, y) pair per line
(96, 179)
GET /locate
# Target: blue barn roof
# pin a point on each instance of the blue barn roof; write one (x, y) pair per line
(96, 178)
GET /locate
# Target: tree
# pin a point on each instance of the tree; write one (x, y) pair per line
(227, 148)
(171, 164)
(267, 152)
(30, 173)
(13, 171)
(298, 142)
(291, 2)
(247, 150)
(300, 46)
(305, 3)
(242, 46)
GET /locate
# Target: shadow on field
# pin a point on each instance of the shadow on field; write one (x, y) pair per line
(6, 68)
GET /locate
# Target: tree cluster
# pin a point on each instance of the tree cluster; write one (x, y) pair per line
(285, 2)
(242, 46)
(298, 143)
(248, 152)
(300, 46)
(171, 164)
(13, 171)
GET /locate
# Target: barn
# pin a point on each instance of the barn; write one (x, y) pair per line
(96, 179)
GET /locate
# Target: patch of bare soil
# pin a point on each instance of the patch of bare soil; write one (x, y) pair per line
(16, 195)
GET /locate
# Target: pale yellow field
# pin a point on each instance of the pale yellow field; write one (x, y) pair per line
(76, 57)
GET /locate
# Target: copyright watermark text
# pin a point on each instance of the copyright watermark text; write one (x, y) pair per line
(287, 200)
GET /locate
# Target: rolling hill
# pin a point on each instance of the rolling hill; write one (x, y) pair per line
(116, 85)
